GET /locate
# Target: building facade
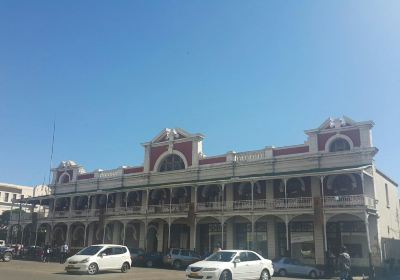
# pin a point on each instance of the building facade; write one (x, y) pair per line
(305, 201)
(10, 192)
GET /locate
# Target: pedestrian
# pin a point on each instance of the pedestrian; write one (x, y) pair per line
(46, 253)
(63, 252)
(344, 263)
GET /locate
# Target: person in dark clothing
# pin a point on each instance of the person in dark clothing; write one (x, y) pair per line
(344, 263)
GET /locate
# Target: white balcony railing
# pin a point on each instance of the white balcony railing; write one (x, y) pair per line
(61, 214)
(178, 208)
(249, 156)
(209, 206)
(135, 210)
(300, 202)
(163, 208)
(79, 213)
(349, 201)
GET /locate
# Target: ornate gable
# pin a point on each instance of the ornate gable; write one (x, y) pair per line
(336, 123)
(171, 134)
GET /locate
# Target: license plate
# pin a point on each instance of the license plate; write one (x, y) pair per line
(194, 274)
(70, 266)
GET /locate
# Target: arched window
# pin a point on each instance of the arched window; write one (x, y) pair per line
(295, 187)
(339, 145)
(64, 178)
(171, 162)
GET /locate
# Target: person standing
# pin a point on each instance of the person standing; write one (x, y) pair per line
(63, 252)
(344, 263)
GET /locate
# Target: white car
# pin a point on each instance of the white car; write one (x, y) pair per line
(231, 265)
(99, 257)
(287, 266)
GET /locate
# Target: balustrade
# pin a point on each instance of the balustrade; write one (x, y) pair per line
(349, 201)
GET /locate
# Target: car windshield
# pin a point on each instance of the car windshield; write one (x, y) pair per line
(90, 251)
(221, 257)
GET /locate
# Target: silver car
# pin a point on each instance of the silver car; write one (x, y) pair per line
(288, 266)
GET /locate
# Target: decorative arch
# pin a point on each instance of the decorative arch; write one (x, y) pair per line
(64, 178)
(342, 184)
(165, 155)
(338, 137)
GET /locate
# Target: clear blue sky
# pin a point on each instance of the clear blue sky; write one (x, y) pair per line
(246, 74)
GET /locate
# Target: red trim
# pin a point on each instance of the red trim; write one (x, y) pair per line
(85, 176)
(186, 149)
(290, 151)
(212, 160)
(155, 153)
(322, 139)
(133, 170)
(354, 135)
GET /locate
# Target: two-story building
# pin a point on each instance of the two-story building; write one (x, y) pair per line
(304, 200)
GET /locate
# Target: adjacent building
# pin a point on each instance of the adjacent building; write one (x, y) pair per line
(305, 200)
(10, 192)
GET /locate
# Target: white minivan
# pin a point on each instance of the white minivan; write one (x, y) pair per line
(94, 258)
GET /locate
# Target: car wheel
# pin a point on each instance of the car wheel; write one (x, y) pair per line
(93, 269)
(177, 265)
(282, 272)
(149, 263)
(265, 275)
(125, 267)
(313, 274)
(7, 257)
(225, 275)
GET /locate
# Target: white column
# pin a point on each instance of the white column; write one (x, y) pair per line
(84, 236)
(252, 197)
(287, 233)
(271, 240)
(284, 183)
(67, 235)
(169, 231)
(124, 232)
(193, 229)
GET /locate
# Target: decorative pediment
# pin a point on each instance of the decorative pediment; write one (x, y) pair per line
(336, 123)
(171, 134)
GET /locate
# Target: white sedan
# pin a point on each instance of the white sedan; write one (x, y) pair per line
(231, 265)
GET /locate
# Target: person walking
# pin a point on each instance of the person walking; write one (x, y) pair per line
(344, 263)
(63, 252)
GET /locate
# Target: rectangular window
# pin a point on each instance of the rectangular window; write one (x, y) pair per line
(387, 196)
(6, 197)
(22, 196)
(14, 196)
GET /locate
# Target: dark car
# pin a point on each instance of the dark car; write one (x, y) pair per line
(137, 256)
(180, 258)
(154, 259)
(32, 253)
(6, 254)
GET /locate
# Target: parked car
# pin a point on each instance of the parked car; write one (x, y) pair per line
(99, 257)
(154, 259)
(288, 266)
(32, 253)
(6, 254)
(180, 258)
(231, 264)
(137, 256)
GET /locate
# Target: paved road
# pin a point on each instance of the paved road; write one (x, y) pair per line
(32, 270)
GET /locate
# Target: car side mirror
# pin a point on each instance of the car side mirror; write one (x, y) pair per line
(102, 255)
(237, 260)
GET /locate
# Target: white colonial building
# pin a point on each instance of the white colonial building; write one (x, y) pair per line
(304, 200)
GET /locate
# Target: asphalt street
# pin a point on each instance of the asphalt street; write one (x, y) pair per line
(32, 270)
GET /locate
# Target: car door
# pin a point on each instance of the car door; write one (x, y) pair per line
(241, 269)
(288, 266)
(298, 268)
(184, 255)
(117, 257)
(104, 259)
(255, 265)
